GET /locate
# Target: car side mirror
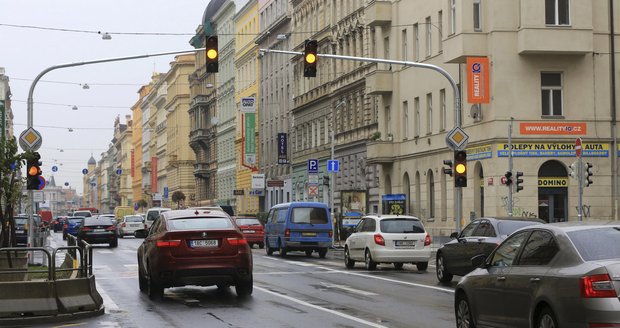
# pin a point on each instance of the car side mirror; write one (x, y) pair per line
(478, 261)
(140, 233)
(454, 235)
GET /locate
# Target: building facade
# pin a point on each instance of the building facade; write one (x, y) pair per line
(136, 150)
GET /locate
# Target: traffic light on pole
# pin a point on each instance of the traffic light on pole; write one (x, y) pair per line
(33, 174)
(212, 53)
(460, 168)
(508, 177)
(447, 170)
(586, 177)
(519, 181)
(310, 58)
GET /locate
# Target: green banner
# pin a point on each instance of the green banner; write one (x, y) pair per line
(2, 119)
(250, 138)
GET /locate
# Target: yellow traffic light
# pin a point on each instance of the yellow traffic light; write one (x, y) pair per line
(211, 53)
(310, 58)
(460, 168)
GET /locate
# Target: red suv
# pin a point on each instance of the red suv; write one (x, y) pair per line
(252, 230)
(194, 247)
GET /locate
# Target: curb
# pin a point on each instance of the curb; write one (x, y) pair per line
(52, 318)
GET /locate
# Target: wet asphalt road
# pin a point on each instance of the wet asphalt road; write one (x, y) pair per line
(295, 291)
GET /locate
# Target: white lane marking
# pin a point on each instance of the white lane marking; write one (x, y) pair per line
(344, 315)
(349, 289)
(101, 268)
(131, 266)
(390, 280)
(107, 300)
(301, 263)
(130, 251)
(104, 251)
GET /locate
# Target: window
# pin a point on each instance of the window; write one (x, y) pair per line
(452, 16)
(440, 28)
(539, 249)
(485, 229)
(557, 12)
(429, 37)
(416, 104)
(507, 251)
(429, 110)
(416, 44)
(401, 226)
(386, 49)
(551, 85)
(404, 44)
(442, 109)
(469, 229)
(477, 15)
(405, 120)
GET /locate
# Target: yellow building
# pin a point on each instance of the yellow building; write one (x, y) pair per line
(246, 87)
(136, 138)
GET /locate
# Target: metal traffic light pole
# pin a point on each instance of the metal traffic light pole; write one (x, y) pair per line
(30, 110)
(458, 193)
(510, 166)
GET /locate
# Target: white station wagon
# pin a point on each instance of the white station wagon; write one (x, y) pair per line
(396, 239)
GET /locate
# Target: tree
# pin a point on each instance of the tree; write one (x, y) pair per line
(142, 203)
(11, 183)
(177, 197)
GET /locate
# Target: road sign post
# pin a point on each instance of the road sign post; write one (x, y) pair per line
(580, 177)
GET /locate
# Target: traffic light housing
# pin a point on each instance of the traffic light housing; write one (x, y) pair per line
(310, 58)
(326, 180)
(448, 170)
(519, 181)
(460, 168)
(586, 177)
(212, 54)
(33, 172)
(508, 176)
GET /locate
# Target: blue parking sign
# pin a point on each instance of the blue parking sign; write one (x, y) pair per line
(313, 166)
(333, 165)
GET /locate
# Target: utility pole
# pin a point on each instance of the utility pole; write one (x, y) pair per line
(510, 166)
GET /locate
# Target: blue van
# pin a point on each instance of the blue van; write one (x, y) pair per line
(299, 226)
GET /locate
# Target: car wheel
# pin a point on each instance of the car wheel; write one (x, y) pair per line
(222, 286)
(399, 265)
(440, 270)
(261, 245)
(370, 264)
(464, 318)
(422, 266)
(114, 243)
(154, 290)
(64, 237)
(244, 287)
(546, 319)
(308, 253)
(322, 252)
(142, 282)
(120, 235)
(348, 262)
(282, 250)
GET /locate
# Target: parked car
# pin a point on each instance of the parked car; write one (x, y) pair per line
(98, 230)
(555, 275)
(58, 223)
(396, 239)
(83, 213)
(152, 214)
(252, 230)
(481, 236)
(190, 247)
(21, 230)
(72, 226)
(129, 224)
(299, 226)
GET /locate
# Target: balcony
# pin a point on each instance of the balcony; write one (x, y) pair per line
(201, 170)
(458, 47)
(379, 82)
(554, 41)
(379, 13)
(199, 136)
(380, 152)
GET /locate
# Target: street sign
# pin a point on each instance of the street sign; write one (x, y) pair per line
(85, 171)
(456, 139)
(313, 166)
(119, 171)
(258, 181)
(30, 139)
(313, 179)
(275, 183)
(578, 147)
(333, 165)
(54, 168)
(313, 190)
(66, 184)
(238, 192)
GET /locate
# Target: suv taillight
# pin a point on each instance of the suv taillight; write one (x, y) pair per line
(427, 240)
(123, 225)
(237, 241)
(330, 233)
(168, 243)
(287, 232)
(597, 286)
(379, 240)
(110, 228)
(86, 229)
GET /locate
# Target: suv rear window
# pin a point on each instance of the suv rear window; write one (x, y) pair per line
(401, 225)
(98, 221)
(133, 218)
(310, 215)
(595, 244)
(247, 222)
(199, 223)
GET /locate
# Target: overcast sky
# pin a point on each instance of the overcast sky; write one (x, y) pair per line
(25, 52)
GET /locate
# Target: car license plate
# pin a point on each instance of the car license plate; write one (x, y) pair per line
(308, 234)
(249, 231)
(405, 242)
(20, 232)
(99, 230)
(203, 243)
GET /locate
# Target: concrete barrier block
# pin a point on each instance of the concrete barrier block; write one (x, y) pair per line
(77, 295)
(27, 298)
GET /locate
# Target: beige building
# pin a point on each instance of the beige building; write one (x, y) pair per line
(136, 150)
(549, 69)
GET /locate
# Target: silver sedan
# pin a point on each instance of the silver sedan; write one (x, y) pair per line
(557, 275)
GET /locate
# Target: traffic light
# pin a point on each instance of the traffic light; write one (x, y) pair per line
(212, 54)
(574, 171)
(310, 58)
(326, 180)
(460, 168)
(586, 177)
(33, 174)
(447, 170)
(508, 176)
(519, 181)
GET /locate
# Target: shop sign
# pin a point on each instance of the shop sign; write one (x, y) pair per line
(480, 152)
(552, 182)
(558, 149)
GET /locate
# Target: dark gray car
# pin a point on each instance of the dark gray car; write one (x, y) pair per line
(481, 236)
(557, 275)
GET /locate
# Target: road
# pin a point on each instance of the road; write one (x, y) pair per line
(295, 291)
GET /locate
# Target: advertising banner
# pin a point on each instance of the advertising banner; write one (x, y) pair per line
(557, 128)
(553, 149)
(478, 80)
(250, 138)
(353, 201)
(282, 148)
(480, 152)
(394, 203)
(154, 174)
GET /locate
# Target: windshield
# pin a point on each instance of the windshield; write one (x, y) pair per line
(247, 222)
(312, 215)
(97, 221)
(21, 221)
(75, 221)
(598, 243)
(401, 226)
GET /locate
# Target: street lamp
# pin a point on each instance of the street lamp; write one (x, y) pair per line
(332, 180)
